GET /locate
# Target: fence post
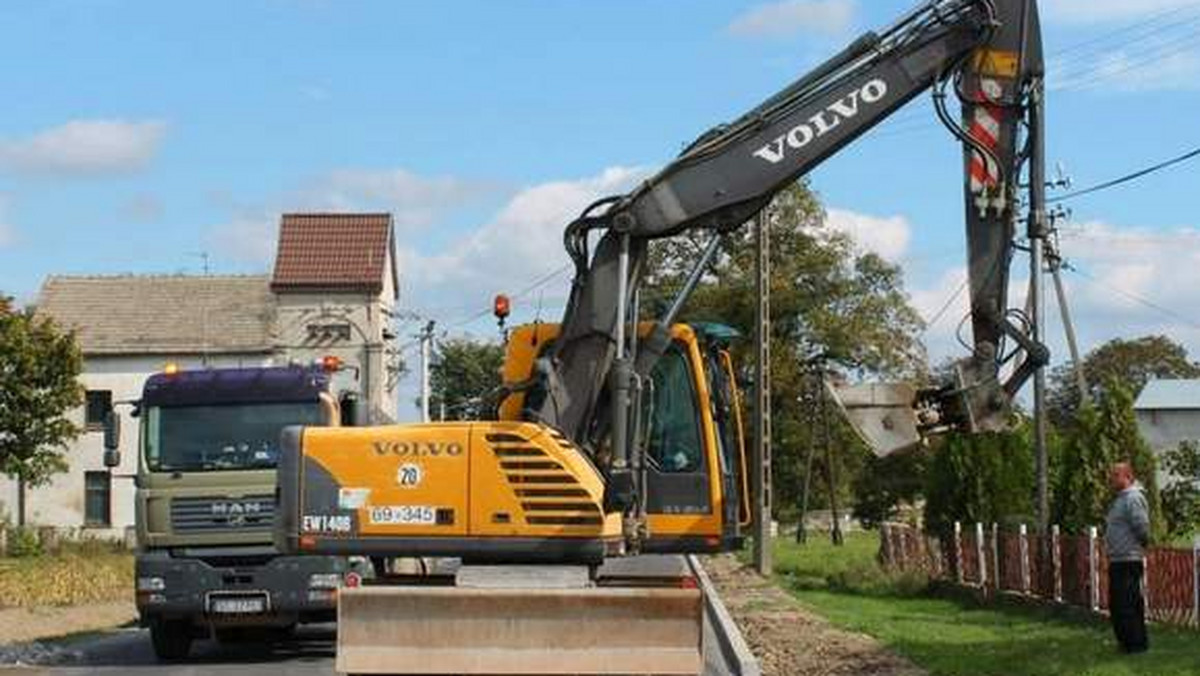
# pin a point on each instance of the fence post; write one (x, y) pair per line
(1196, 581)
(1145, 583)
(1023, 543)
(958, 571)
(979, 554)
(995, 555)
(885, 543)
(1056, 563)
(1093, 570)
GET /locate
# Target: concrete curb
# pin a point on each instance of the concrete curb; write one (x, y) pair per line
(733, 647)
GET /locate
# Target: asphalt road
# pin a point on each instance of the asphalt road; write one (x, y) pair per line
(127, 651)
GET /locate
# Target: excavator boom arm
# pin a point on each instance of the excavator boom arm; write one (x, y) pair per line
(989, 51)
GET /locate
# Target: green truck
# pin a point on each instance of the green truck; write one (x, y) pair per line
(205, 500)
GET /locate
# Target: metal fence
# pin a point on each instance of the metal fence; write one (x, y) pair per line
(1057, 568)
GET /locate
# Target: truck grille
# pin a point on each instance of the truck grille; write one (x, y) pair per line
(194, 515)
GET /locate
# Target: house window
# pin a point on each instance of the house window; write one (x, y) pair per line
(97, 498)
(99, 403)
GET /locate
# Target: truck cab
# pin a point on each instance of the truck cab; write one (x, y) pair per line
(205, 502)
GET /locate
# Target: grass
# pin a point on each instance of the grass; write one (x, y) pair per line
(950, 636)
(78, 574)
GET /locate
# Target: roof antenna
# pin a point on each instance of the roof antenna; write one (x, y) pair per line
(537, 317)
(204, 257)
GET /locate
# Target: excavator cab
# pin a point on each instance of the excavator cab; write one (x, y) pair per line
(517, 499)
(690, 434)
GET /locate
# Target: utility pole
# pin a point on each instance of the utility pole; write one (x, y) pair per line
(809, 402)
(426, 349)
(1054, 258)
(762, 397)
(835, 517)
(1037, 243)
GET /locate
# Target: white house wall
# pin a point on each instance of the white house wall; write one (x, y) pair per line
(364, 353)
(1165, 429)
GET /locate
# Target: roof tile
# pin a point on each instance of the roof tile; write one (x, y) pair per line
(161, 314)
(333, 252)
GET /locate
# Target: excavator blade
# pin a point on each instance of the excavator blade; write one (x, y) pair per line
(456, 630)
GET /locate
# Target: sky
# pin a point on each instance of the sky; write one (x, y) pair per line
(147, 137)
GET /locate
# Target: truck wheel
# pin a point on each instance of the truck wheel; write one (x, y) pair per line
(172, 639)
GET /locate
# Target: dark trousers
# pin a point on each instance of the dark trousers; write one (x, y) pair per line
(1126, 606)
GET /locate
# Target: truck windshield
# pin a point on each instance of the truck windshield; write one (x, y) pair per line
(228, 437)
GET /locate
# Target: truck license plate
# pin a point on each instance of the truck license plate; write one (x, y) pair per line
(238, 605)
(403, 514)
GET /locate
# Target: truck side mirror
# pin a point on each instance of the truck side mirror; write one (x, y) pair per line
(112, 439)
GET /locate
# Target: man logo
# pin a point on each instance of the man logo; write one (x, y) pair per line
(236, 514)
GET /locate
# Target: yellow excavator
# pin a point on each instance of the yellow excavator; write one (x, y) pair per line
(505, 545)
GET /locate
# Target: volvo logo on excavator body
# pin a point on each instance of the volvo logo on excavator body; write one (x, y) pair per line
(818, 125)
(417, 448)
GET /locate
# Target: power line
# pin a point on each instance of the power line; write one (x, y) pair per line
(1136, 298)
(1128, 177)
(946, 306)
(535, 285)
(1086, 77)
(1129, 35)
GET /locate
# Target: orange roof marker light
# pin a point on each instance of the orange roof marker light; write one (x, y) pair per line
(501, 306)
(170, 368)
(331, 363)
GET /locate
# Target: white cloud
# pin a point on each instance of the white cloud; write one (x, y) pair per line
(791, 17)
(142, 208)
(1123, 70)
(520, 244)
(887, 236)
(85, 147)
(1094, 11)
(248, 237)
(315, 92)
(1130, 282)
(8, 233)
(415, 201)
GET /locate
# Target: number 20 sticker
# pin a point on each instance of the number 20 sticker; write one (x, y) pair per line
(409, 475)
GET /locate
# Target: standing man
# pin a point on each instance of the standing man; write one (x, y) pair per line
(1126, 534)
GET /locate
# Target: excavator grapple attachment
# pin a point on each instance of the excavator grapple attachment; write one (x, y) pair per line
(883, 414)
(456, 630)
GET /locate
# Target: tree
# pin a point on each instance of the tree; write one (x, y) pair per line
(886, 483)
(1128, 363)
(464, 372)
(39, 372)
(1081, 490)
(1181, 499)
(985, 478)
(833, 307)
(1103, 434)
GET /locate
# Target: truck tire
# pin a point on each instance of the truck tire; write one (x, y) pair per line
(172, 639)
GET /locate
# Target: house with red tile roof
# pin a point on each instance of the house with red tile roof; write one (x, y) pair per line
(332, 292)
(335, 287)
